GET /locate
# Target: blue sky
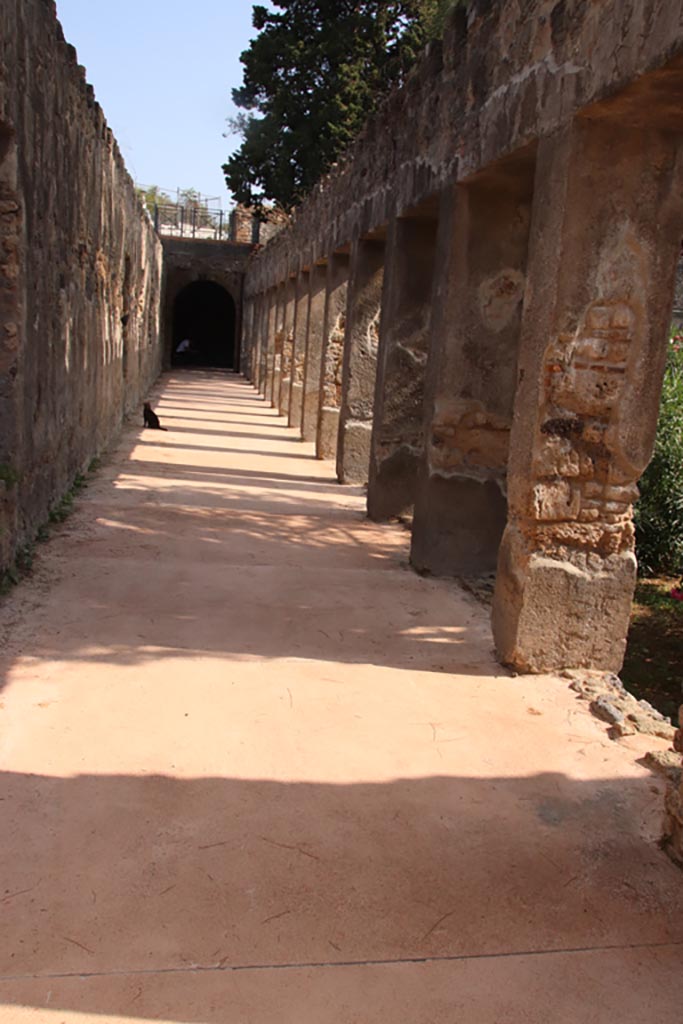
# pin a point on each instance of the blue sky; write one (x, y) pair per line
(163, 72)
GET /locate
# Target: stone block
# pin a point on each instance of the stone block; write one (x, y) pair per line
(393, 482)
(550, 614)
(357, 438)
(328, 433)
(295, 405)
(462, 521)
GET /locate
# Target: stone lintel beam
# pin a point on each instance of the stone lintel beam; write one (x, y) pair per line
(460, 505)
(333, 355)
(364, 304)
(511, 73)
(314, 347)
(404, 334)
(606, 232)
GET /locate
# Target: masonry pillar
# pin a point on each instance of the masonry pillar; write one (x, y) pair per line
(314, 344)
(246, 340)
(605, 236)
(287, 346)
(299, 349)
(460, 504)
(278, 343)
(268, 342)
(360, 360)
(255, 358)
(336, 298)
(261, 337)
(398, 422)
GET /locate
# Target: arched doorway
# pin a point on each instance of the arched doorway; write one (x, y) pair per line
(203, 326)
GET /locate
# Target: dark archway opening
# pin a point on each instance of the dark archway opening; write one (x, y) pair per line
(204, 326)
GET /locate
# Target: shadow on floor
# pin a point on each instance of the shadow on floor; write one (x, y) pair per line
(182, 559)
(118, 874)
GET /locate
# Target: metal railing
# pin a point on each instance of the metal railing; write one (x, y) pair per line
(193, 221)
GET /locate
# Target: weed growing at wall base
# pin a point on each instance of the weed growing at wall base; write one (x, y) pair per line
(659, 512)
(8, 475)
(23, 559)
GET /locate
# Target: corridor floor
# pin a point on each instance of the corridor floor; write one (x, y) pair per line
(257, 771)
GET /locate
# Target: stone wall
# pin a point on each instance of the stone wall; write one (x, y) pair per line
(507, 73)
(80, 273)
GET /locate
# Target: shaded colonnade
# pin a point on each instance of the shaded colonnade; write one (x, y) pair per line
(501, 334)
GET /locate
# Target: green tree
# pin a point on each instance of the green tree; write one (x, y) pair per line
(153, 196)
(312, 76)
(659, 512)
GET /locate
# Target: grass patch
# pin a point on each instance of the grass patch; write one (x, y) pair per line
(22, 565)
(653, 668)
(59, 513)
(8, 475)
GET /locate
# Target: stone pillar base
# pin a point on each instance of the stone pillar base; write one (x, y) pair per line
(295, 401)
(353, 469)
(461, 523)
(275, 397)
(328, 432)
(284, 396)
(392, 485)
(310, 418)
(550, 614)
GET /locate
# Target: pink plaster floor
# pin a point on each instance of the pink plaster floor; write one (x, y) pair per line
(256, 771)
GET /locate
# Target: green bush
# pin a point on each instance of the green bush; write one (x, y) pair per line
(659, 512)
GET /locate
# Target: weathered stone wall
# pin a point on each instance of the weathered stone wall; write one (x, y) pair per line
(80, 273)
(508, 73)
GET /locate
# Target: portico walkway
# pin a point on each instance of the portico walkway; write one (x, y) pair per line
(256, 769)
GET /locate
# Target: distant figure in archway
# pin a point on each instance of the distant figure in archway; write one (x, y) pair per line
(184, 348)
(204, 326)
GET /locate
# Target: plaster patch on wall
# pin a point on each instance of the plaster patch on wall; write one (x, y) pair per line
(500, 297)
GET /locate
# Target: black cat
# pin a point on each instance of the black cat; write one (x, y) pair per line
(150, 417)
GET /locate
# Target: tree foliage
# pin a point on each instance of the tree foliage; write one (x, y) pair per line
(312, 76)
(659, 512)
(152, 195)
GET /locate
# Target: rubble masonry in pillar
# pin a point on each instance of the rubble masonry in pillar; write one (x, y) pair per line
(314, 345)
(404, 337)
(361, 341)
(334, 331)
(600, 286)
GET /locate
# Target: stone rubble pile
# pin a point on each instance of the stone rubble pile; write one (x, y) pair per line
(612, 703)
(673, 841)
